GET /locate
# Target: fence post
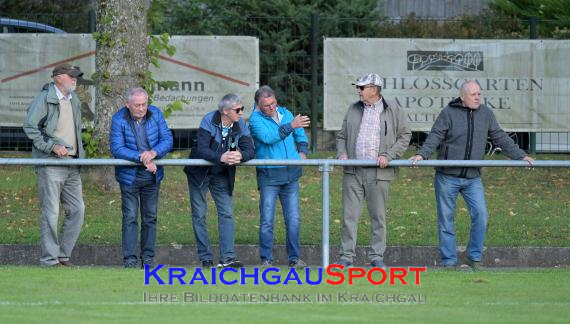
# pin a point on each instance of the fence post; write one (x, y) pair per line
(91, 22)
(532, 135)
(326, 168)
(314, 80)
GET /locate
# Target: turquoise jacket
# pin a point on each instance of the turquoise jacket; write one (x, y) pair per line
(277, 141)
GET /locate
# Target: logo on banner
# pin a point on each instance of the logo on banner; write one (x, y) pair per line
(445, 61)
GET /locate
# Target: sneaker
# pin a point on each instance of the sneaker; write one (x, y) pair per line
(66, 263)
(231, 263)
(299, 264)
(147, 261)
(377, 263)
(266, 264)
(207, 264)
(475, 265)
(449, 267)
(130, 265)
(345, 263)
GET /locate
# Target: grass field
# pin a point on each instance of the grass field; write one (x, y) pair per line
(527, 208)
(104, 295)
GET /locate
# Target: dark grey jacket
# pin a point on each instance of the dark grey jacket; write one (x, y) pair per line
(461, 134)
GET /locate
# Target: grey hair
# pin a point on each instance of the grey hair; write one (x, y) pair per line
(263, 92)
(465, 85)
(228, 101)
(135, 92)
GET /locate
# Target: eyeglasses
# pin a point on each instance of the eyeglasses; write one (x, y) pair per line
(238, 110)
(361, 88)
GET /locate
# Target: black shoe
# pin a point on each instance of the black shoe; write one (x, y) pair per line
(147, 261)
(207, 264)
(66, 263)
(378, 264)
(231, 263)
(347, 264)
(450, 267)
(130, 265)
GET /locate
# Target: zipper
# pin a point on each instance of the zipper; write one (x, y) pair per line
(470, 130)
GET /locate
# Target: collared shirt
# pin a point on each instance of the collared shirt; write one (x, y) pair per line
(141, 137)
(60, 94)
(368, 140)
(65, 128)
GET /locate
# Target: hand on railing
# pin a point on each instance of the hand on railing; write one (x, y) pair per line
(415, 160)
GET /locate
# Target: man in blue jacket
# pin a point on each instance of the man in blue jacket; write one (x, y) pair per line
(223, 139)
(278, 134)
(139, 133)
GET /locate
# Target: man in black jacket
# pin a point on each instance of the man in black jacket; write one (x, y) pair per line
(223, 139)
(461, 131)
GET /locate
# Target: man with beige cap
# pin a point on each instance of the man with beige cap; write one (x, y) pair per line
(53, 123)
(371, 130)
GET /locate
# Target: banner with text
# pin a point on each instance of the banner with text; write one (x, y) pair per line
(202, 71)
(525, 82)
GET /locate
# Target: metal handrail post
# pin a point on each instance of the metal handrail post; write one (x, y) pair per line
(325, 169)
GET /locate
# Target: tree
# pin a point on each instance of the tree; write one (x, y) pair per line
(121, 60)
(553, 15)
(283, 28)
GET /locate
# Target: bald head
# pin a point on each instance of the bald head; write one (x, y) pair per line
(470, 94)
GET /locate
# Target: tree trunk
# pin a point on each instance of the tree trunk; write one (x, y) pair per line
(121, 62)
(121, 59)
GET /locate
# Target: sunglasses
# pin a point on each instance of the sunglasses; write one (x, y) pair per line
(361, 88)
(238, 110)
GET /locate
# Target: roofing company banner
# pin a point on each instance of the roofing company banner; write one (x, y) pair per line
(204, 69)
(525, 82)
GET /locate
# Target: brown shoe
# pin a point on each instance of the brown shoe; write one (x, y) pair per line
(66, 263)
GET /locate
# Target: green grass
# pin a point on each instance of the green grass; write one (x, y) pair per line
(527, 208)
(95, 294)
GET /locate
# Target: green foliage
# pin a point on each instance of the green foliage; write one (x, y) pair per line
(486, 25)
(156, 46)
(90, 141)
(553, 15)
(283, 28)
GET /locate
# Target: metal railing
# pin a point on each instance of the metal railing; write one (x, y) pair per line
(325, 166)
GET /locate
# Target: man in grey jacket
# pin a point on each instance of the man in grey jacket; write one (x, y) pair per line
(461, 131)
(53, 123)
(371, 130)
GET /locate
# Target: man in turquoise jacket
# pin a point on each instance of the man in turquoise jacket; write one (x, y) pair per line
(278, 134)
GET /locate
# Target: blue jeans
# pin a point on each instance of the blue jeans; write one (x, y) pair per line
(143, 195)
(218, 185)
(446, 190)
(289, 197)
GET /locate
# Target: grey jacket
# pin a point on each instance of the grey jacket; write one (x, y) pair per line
(461, 134)
(41, 121)
(394, 136)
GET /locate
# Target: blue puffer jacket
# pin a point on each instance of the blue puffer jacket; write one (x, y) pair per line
(209, 146)
(124, 144)
(277, 141)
